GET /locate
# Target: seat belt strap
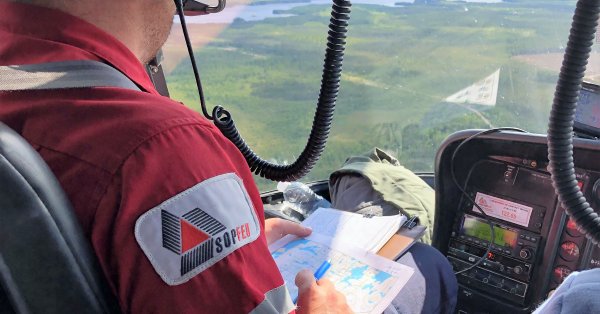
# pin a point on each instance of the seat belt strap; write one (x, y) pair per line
(62, 75)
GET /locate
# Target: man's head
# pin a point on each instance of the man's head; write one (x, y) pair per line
(158, 22)
(142, 25)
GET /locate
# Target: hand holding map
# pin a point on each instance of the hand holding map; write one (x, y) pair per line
(368, 281)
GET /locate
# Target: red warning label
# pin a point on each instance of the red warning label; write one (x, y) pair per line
(506, 210)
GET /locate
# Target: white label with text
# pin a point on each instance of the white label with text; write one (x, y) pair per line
(503, 209)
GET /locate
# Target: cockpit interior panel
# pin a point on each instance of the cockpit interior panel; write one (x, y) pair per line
(535, 244)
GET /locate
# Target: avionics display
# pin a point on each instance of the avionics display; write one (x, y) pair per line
(479, 228)
(587, 115)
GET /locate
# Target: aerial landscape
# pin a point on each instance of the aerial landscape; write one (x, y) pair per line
(414, 72)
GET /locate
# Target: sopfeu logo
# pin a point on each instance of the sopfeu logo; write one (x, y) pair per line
(197, 237)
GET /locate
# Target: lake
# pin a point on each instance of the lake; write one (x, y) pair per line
(261, 12)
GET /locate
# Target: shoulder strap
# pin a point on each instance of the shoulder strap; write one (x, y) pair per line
(61, 75)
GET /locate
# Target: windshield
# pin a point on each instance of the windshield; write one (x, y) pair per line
(414, 72)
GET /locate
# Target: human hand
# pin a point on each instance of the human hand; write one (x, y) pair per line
(319, 297)
(277, 228)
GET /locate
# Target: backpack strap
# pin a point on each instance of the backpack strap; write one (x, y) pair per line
(62, 75)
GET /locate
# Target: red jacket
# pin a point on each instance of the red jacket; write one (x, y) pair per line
(168, 203)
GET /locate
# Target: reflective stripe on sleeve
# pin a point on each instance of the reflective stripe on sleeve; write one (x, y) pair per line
(277, 300)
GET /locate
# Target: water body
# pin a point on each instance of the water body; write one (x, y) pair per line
(261, 12)
(477, 1)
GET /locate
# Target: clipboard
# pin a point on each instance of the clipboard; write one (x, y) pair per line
(400, 242)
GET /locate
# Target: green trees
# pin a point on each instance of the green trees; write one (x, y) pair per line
(401, 63)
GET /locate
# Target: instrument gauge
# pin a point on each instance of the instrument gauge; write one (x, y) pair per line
(560, 273)
(572, 228)
(569, 251)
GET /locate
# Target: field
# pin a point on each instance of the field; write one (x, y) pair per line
(400, 65)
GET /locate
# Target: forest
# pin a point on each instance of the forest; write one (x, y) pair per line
(402, 62)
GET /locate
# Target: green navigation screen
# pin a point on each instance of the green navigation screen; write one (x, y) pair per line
(479, 228)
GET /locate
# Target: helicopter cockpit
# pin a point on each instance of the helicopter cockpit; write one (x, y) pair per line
(460, 91)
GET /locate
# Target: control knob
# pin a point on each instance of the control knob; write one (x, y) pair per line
(518, 270)
(525, 253)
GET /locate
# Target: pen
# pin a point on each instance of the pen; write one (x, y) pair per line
(322, 269)
(319, 273)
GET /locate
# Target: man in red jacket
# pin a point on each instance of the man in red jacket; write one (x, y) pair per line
(168, 203)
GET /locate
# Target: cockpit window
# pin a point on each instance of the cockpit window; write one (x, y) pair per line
(414, 72)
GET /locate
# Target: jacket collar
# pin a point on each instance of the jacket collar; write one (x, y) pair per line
(38, 33)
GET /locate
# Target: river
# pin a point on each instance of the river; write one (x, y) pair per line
(261, 12)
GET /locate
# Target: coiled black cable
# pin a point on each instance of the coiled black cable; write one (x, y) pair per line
(560, 128)
(330, 85)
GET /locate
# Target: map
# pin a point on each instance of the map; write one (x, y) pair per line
(367, 289)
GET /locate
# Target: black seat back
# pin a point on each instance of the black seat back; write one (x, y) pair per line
(46, 263)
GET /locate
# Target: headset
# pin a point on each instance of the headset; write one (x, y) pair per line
(192, 7)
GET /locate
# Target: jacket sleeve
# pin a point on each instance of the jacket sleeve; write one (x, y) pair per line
(577, 294)
(180, 229)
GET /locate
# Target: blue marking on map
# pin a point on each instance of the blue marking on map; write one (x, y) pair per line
(304, 263)
(311, 249)
(349, 272)
(355, 273)
(382, 276)
(288, 247)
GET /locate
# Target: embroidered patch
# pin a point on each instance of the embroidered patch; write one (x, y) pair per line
(193, 230)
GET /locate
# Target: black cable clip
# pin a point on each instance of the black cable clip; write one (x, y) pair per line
(411, 223)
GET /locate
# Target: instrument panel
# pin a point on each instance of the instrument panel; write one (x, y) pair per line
(519, 217)
(535, 245)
